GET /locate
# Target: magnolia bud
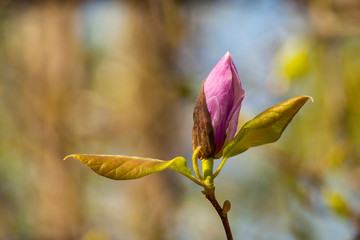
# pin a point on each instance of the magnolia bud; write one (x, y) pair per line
(217, 109)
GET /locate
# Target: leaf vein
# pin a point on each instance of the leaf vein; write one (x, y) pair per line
(115, 169)
(137, 166)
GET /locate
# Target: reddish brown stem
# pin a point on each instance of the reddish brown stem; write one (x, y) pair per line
(210, 195)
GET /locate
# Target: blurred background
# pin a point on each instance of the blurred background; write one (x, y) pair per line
(121, 77)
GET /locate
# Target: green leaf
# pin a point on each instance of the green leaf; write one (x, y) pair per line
(265, 128)
(124, 168)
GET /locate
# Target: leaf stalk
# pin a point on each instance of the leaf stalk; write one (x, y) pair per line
(196, 165)
(191, 177)
(219, 168)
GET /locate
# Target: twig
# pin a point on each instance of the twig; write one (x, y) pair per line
(210, 195)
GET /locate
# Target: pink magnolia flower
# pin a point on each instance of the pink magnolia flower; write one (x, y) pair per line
(223, 94)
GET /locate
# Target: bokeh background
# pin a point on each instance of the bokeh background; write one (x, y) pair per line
(121, 77)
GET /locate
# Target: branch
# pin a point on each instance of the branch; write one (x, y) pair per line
(210, 195)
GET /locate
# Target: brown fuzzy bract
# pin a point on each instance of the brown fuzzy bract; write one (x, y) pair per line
(203, 132)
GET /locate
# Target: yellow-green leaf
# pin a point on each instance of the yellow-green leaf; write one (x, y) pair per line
(124, 168)
(180, 165)
(265, 128)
